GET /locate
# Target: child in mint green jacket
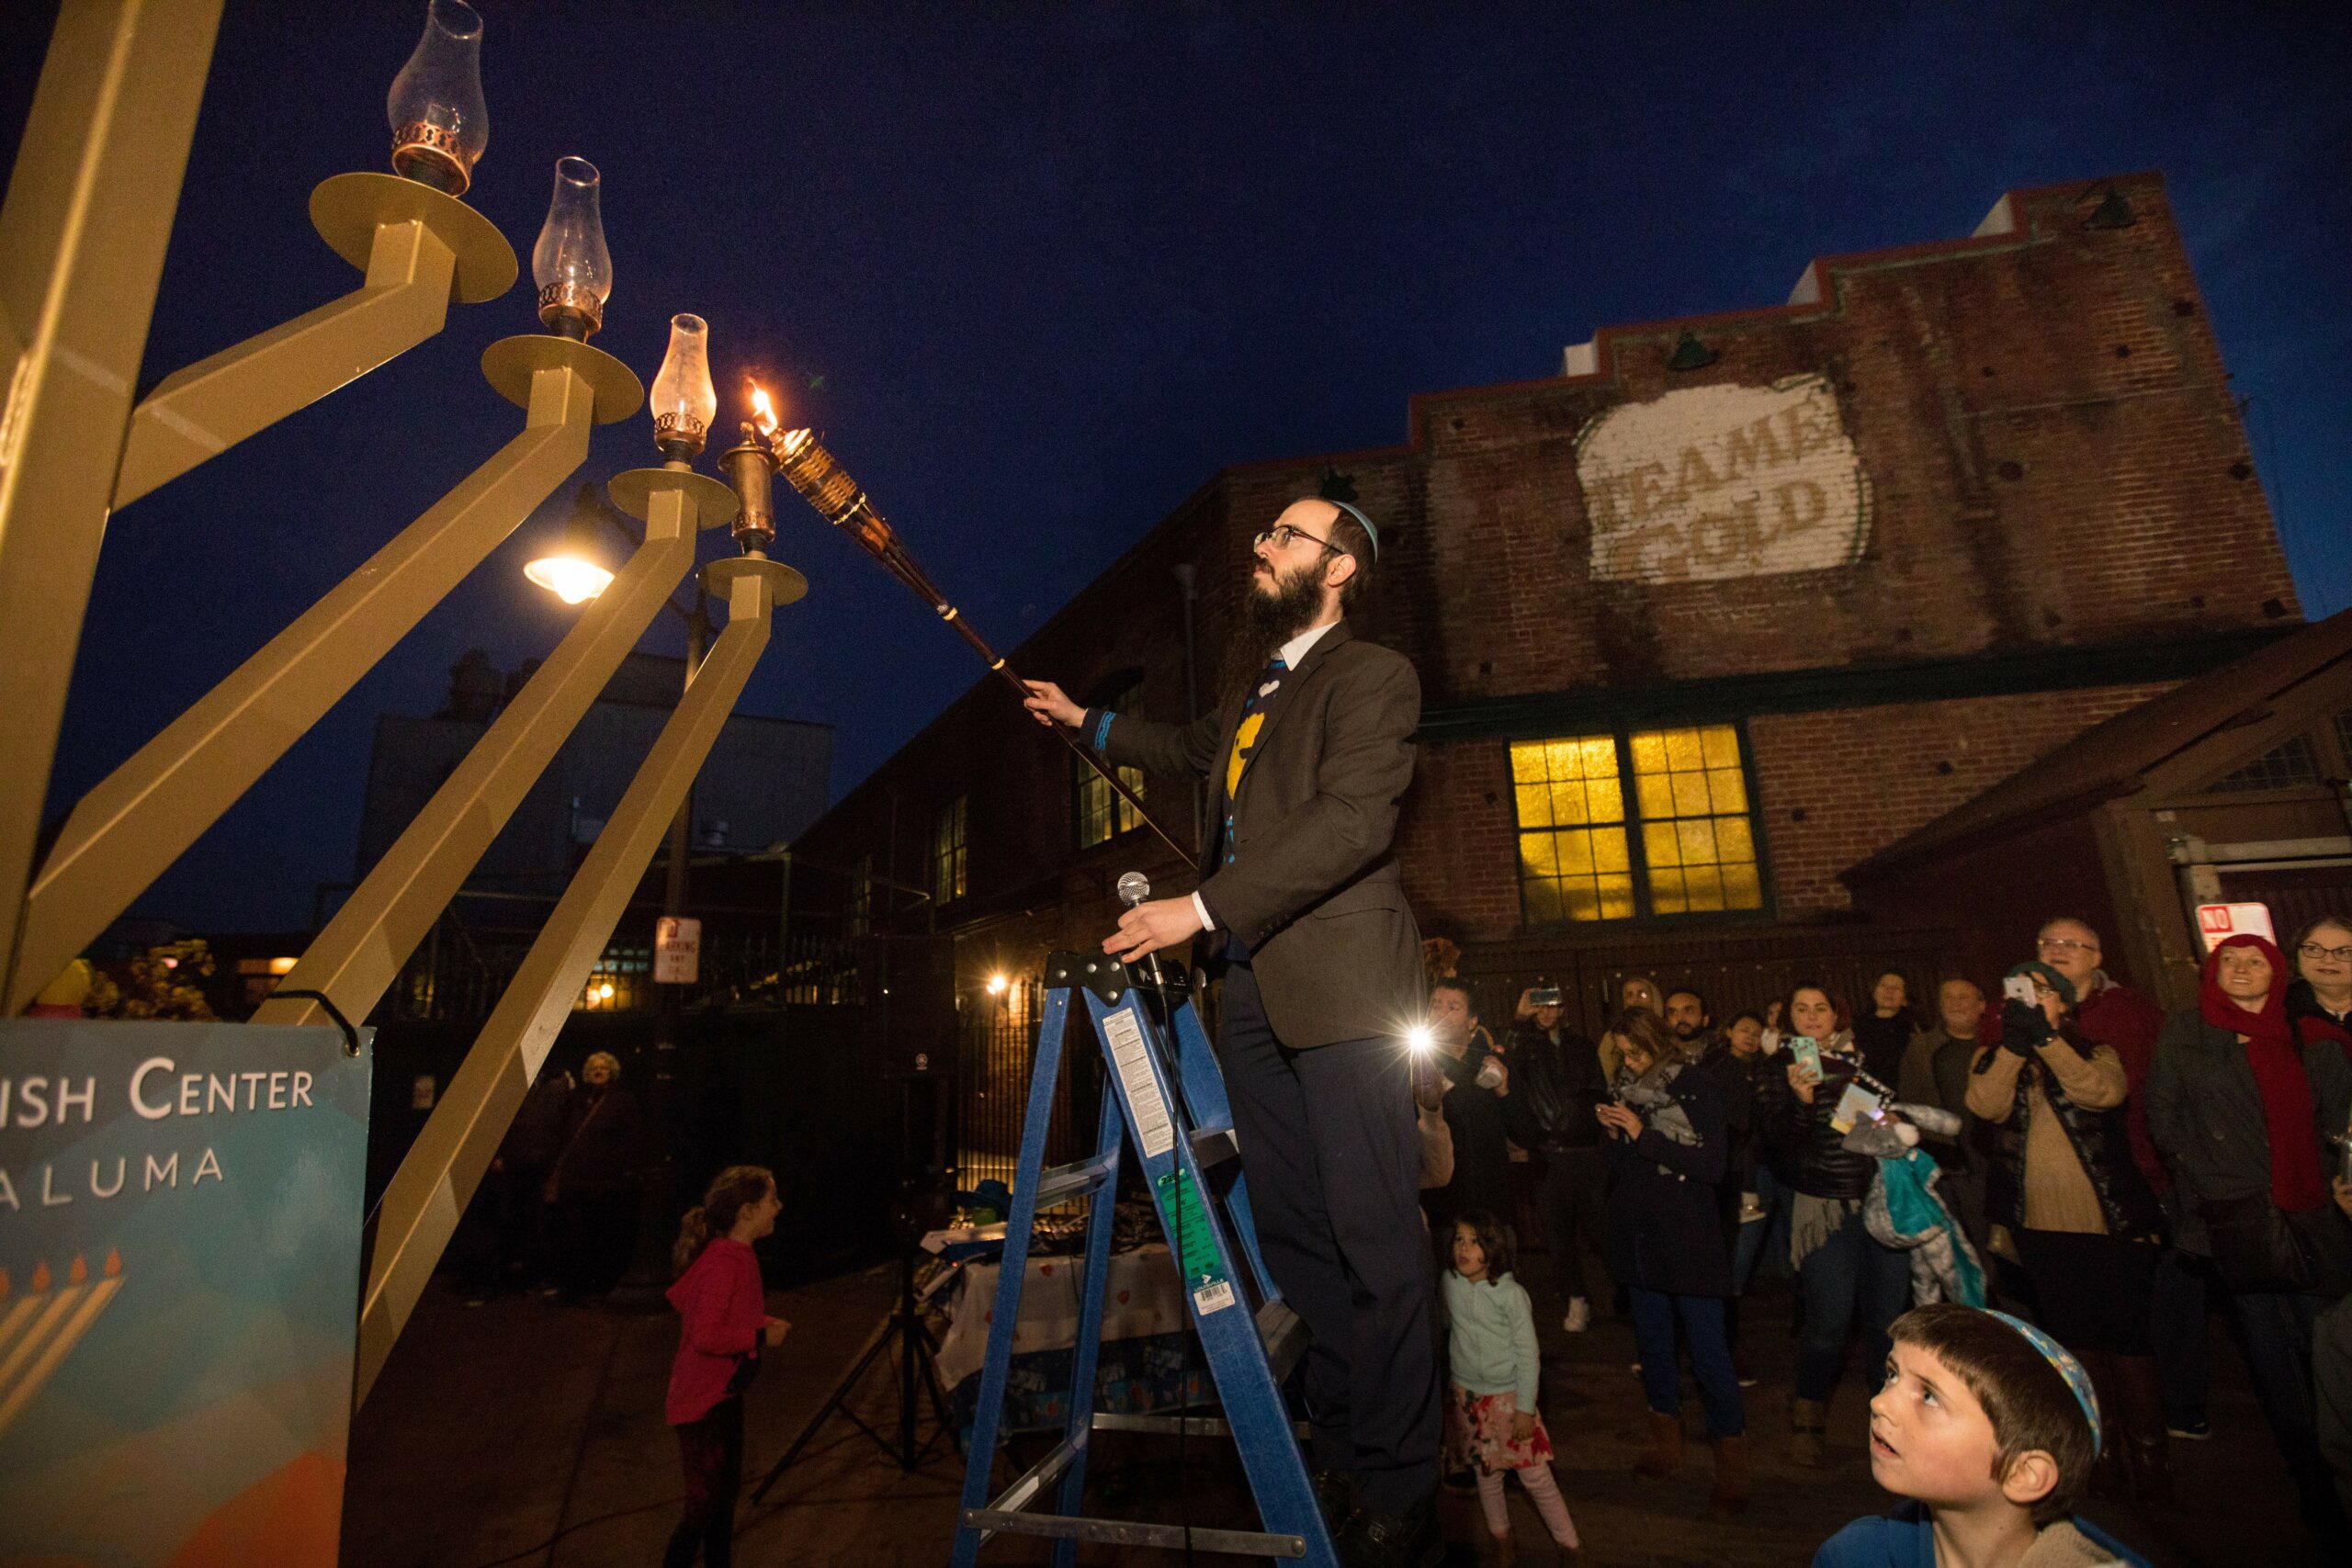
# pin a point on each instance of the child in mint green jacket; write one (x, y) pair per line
(1491, 1422)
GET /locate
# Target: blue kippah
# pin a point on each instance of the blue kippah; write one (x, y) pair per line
(2068, 1368)
(1351, 510)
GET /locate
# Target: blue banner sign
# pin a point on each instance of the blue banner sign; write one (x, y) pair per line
(180, 1213)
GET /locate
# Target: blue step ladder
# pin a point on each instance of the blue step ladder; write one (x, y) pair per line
(1166, 1103)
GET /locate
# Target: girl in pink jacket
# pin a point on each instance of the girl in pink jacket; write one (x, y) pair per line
(724, 1312)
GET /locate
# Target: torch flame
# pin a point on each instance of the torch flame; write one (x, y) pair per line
(763, 410)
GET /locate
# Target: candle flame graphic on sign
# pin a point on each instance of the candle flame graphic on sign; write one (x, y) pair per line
(38, 1332)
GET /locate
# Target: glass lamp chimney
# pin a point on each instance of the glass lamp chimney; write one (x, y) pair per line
(571, 264)
(684, 400)
(439, 123)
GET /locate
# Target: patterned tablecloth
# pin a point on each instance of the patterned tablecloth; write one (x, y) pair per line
(1144, 1363)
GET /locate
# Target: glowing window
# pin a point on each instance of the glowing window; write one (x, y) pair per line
(1649, 822)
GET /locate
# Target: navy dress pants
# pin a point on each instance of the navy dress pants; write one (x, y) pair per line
(1332, 1159)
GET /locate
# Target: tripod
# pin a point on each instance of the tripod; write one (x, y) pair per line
(904, 1333)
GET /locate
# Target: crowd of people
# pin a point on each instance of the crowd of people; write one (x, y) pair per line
(2105, 1174)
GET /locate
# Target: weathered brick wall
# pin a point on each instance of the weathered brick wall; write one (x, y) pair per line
(2016, 442)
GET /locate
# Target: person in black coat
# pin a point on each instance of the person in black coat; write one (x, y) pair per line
(592, 1185)
(1558, 1072)
(1484, 1117)
(1667, 1145)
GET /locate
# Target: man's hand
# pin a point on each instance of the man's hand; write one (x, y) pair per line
(1526, 1008)
(1045, 700)
(1148, 927)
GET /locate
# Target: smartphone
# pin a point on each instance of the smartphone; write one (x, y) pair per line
(1806, 1052)
(1544, 997)
(2020, 988)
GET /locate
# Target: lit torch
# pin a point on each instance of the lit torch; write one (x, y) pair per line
(824, 484)
(751, 471)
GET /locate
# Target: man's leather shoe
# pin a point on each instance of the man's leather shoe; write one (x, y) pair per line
(1376, 1540)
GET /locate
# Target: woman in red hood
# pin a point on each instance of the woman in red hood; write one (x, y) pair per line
(724, 1311)
(2241, 1108)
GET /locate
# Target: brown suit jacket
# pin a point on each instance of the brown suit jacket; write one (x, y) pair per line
(1312, 890)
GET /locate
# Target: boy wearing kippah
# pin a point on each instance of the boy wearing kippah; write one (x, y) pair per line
(1989, 1428)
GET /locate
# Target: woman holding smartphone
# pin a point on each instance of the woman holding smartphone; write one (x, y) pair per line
(1845, 1276)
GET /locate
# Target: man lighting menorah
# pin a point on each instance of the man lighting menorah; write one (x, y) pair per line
(1302, 912)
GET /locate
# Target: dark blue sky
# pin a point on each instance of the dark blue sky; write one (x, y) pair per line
(1058, 264)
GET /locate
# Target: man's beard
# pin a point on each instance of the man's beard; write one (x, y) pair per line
(1269, 619)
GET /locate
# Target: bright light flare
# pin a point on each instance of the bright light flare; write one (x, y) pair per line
(1420, 1038)
(996, 984)
(569, 578)
(763, 410)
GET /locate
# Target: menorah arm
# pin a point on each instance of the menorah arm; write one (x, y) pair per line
(419, 249)
(144, 814)
(359, 954)
(437, 1178)
(82, 231)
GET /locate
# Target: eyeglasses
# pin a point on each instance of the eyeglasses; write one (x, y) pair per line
(1282, 534)
(2313, 950)
(2065, 944)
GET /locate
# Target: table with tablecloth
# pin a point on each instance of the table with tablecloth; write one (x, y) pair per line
(1145, 1363)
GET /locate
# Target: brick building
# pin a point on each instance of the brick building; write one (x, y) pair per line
(1728, 606)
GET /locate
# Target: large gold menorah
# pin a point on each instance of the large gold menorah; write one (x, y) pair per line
(83, 233)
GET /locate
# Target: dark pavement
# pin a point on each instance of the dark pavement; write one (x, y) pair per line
(523, 1432)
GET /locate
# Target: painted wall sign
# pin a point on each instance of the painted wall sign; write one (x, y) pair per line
(180, 1210)
(1723, 481)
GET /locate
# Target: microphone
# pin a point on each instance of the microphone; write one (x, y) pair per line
(1133, 889)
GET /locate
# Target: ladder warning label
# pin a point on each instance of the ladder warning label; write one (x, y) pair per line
(1132, 1058)
(1196, 1243)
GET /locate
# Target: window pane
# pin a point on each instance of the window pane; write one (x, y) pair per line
(1666, 890)
(1689, 794)
(1607, 798)
(1608, 850)
(1616, 897)
(1599, 756)
(1576, 854)
(1560, 757)
(1567, 803)
(1702, 888)
(1733, 838)
(1534, 806)
(1721, 743)
(1583, 902)
(1655, 794)
(1536, 856)
(1698, 841)
(1649, 753)
(1729, 789)
(1543, 896)
(1742, 889)
(1660, 844)
(1527, 763)
(1682, 752)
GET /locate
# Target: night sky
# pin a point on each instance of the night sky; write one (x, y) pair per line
(1039, 272)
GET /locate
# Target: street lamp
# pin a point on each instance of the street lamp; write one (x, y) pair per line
(575, 572)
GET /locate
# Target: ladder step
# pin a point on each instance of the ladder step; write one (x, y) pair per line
(1127, 1532)
(1064, 1183)
(1169, 1426)
(1212, 1146)
(1286, 1336)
